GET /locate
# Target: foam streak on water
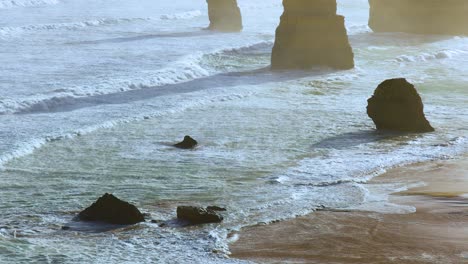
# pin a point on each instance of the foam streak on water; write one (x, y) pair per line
(93, 93)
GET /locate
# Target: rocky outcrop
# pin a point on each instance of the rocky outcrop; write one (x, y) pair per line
(216, 208)
(310, 34)
(187, 143)
(224, 15)
(198, 215)
(449, 17)
(110, 209)
(397, 106)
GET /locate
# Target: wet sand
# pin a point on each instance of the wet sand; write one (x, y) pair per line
(436, 233)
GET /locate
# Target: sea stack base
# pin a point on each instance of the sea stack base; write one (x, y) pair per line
(310, 35)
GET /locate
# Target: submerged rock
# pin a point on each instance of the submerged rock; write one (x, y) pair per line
(419, 16)
(187, 143)
(198, 215)
(396, 105)
(310, 34)
(112, 210)
(224, 15)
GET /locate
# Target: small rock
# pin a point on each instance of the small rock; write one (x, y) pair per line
(198, 215)
(187, 143)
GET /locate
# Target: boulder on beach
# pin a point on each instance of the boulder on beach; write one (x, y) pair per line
(397, 106)
(311, 34)
(447, 17)
(187, 143)
(224, 15)
(110, 209)
(198, 215)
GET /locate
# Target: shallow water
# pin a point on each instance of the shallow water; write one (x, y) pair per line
(92, 93)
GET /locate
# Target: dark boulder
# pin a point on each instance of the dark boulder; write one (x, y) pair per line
(447, 17)
(311, 34)
(110, 209)
(187, 143)
(397, 106)
(215, 208)
(198, 215)
(224, 15)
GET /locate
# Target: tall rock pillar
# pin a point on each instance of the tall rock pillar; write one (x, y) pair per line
(224, 15)
(311, 34)
(446, 17)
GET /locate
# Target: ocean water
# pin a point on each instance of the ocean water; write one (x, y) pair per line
(92, 93)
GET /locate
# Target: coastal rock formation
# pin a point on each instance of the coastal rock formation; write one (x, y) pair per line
(198, 215)
(396, 105)
(311, 34)
(187, 143)
(449, 17)
(224, 15)
(112, 210)
(216, 208)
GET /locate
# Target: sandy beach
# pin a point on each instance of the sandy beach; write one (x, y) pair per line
(436, 233)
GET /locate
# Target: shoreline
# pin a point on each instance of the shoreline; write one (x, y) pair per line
(436, 233)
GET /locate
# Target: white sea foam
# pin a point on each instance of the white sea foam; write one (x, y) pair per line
(99, 22)
(4, 4)
(183, 15)
(9, 31)
(247, 49)
(185, 69)
(357, 29)
(438, 55)
(28, 147)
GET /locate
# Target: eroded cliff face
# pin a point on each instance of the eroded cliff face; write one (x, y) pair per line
(224, 15)
(310, 34)
(448, 17)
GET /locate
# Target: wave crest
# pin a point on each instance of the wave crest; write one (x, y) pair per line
(438, 55)
(5, 4)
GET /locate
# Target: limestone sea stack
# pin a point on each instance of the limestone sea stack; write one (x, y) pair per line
(112, 210)
(397, 106)
(224, 15)
(311, 34)
(447, 17)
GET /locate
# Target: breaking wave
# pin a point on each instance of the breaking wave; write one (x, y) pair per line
(438, 55)
(12, 31)
(8, 31)
(186, 69)
(4, 4)
(183, 15)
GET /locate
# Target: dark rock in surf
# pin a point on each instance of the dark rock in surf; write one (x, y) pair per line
(187, 143)
(216, 208)
(110, 209)
(198, 215)
(224, 15)
(447, 17)
(311, 34)
(397, 106)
